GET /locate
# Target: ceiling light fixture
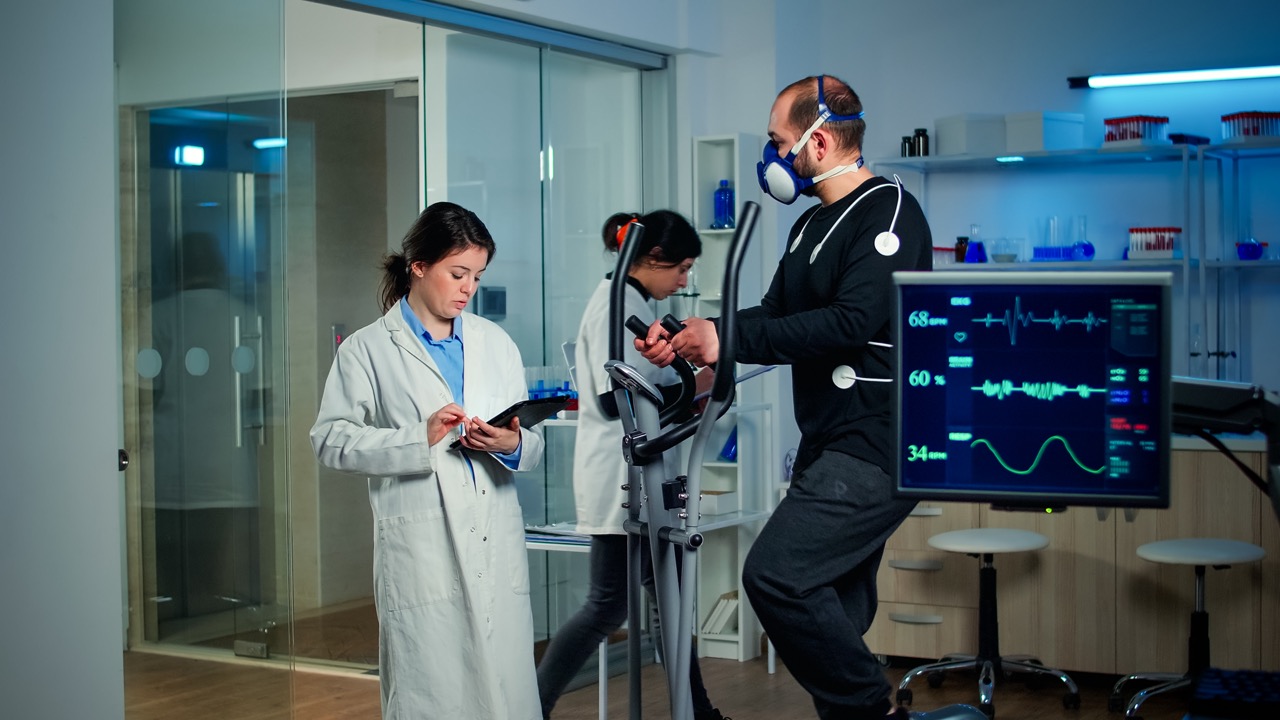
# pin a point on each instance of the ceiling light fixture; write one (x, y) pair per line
(1177, 76)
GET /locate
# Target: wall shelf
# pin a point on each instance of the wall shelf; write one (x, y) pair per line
(1041, 159)
(1257, 148)
(1163, 264)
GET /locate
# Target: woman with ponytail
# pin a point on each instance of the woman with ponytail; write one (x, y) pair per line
(668, 247)
(451, 576)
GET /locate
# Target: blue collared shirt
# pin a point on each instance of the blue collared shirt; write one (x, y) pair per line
(448, 354)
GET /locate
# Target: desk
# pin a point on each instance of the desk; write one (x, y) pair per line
(563, 538)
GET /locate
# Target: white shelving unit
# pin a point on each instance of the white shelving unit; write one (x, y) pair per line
(1097, 159)
(1215, 287)
(716, 158)
(730, 532)
(1231, 279)
(750, 477)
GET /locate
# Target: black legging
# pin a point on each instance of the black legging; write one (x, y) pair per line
(604, 611)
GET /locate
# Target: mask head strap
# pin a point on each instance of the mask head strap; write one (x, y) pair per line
(824, 115)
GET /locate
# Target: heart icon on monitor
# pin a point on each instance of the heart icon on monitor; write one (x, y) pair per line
(961, 337)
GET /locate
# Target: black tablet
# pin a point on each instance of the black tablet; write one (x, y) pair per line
(530, 412)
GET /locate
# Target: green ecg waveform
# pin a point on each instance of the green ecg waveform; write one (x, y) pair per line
(1039, 455)
(1040, 391)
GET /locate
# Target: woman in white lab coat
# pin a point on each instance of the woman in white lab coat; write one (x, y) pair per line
(669, 247)
(451, 577)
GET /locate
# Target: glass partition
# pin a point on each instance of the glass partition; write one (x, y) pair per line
(353, 192)
(200, 90)
(238, 542)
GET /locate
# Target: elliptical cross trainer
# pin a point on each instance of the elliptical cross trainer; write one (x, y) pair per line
(663, 511)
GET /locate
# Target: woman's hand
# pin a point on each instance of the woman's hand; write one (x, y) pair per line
(444, 420)
(656, 347)
(484, 437)
(698, 343)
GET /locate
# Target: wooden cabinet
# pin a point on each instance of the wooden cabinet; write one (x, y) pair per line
(1269, 621)
(928, 598)
(911, 571)
(1088, 602)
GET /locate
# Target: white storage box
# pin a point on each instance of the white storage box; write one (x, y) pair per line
(969, 134)
(1036, 131)
(715, 502)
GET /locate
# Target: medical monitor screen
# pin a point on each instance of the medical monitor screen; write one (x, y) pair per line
(1034, 390)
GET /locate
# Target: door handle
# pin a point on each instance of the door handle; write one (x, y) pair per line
(123, 460)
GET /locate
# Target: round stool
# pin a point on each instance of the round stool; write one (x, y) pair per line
(984, 541)
(991, 666)
(1199, 553)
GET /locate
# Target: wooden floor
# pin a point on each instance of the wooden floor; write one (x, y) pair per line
(162, 687)
(347, 634)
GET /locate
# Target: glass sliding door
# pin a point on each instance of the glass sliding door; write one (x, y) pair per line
(482, 104)
(591, 121)
(353, 192)
(592, 169)
(208, 398)
(202, 249)
(204, 312)
(200, 89)
(591, 139)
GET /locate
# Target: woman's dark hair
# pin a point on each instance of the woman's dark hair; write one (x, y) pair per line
(668, 239)
(440, 231)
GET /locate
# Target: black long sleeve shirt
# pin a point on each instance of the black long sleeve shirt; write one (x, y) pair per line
(822, 311)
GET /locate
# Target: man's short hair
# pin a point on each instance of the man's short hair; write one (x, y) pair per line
(839, 97)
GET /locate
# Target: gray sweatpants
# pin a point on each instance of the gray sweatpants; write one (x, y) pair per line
(811, 579)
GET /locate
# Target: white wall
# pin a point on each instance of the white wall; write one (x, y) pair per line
(161, 66)
(374, 49)
(913, 61)
(668, 26)
(60, 609)
(916, 60)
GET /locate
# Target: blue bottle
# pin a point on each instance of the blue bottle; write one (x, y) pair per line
(729, 453)
(723, 207)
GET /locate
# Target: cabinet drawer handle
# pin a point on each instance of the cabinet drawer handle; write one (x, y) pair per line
(915, 619)
(925, 512)
(928, 565)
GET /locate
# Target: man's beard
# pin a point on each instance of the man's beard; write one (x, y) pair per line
(803, 168)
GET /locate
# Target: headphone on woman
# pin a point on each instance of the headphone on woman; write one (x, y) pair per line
(621, 236)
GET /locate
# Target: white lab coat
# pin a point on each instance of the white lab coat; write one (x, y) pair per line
(451, 577)
(599, 470)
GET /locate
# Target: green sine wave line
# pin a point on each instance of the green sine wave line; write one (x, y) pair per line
(1039, 455)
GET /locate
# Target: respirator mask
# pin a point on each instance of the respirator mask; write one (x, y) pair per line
(777, 174)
